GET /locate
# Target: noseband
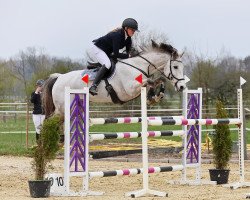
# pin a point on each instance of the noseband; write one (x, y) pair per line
(171, 75)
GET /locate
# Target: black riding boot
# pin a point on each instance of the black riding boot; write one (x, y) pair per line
(100, 74)
(37, 136)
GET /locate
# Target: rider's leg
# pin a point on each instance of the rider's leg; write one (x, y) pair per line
(100, 74)
(37, 136)
(38, 120)
(104, 60)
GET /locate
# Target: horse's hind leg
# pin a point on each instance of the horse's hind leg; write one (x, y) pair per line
(59, 112)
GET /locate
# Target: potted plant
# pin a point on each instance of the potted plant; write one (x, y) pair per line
(43, 153)
(222, 148)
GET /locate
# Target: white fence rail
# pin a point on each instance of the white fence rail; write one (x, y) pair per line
(15, 110)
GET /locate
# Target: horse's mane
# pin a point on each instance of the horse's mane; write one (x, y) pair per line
(162, 47)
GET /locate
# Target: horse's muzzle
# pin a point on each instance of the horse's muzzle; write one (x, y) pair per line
(181, 88)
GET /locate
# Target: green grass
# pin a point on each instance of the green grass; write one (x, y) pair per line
(18, 125)
(15, 143)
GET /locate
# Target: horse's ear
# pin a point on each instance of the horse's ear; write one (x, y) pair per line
(154, 44)
(174, 53)
(182, 54)
(142, 48)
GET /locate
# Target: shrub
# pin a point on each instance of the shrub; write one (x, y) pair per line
(221, 141)
(47, 146)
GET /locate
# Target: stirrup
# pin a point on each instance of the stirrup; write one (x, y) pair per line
(93, 90)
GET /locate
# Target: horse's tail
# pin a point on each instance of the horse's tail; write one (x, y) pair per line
(47, 99)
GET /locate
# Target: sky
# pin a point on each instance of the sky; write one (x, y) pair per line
(65, 28)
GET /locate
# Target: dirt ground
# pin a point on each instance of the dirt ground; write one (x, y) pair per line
(16, 171)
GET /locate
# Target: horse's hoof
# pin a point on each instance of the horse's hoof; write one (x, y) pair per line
(151, 102)
(93, 92)
(150, 81)
(161, 95)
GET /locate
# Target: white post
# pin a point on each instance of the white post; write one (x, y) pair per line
(144, 125)
(86, 177)
(144, 136)
(184, 128)
(241, 136)
(67, 140)
(198, 168)
(242, 182)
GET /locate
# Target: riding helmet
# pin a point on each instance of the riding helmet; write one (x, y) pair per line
(40, 82)
(130, 23)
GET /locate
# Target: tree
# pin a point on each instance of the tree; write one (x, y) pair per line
(146, 35)
(246, 61)
(25, 64)
(227, 81)
(226, 85)
(204, 75)
(33, 64)
(6, 82)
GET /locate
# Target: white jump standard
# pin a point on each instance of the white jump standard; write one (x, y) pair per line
(77, 138)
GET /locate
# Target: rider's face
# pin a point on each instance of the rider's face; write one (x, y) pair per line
(130, 32)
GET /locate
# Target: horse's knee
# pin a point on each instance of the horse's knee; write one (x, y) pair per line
(151, 93)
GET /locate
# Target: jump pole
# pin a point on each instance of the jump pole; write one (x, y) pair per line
(144, 125)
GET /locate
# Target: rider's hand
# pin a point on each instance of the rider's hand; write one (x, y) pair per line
(133, 53)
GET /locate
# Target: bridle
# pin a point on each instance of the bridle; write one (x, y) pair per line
(170, 76)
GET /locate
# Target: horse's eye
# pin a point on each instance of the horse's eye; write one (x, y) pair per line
(176, 67)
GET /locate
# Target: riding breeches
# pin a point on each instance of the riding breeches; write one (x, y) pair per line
(38, 121)
(98, 55)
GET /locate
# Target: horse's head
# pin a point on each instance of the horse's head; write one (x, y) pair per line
(173, 67)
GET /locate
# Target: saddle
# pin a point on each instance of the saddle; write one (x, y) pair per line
(96, 66)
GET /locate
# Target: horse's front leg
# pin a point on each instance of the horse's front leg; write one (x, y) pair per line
(160, 94)
(153, 84)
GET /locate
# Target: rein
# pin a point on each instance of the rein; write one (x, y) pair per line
(147, 75)
(170, 76)
(152, 65)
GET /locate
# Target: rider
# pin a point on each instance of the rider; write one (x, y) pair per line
(109, 46)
